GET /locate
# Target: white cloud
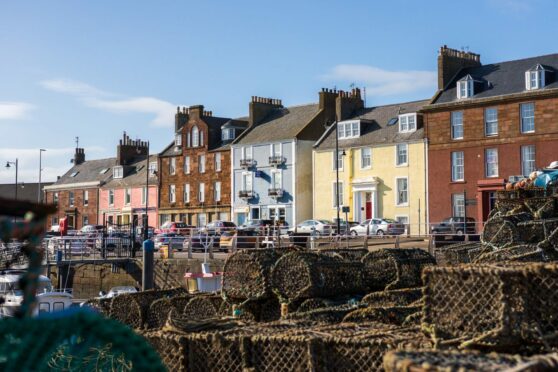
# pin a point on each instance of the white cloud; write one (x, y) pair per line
(55, 162)
(14, 110)
(383, 82)
(97, 98)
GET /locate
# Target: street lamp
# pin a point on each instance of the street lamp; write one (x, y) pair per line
(8, 165)
(337, 175)
(39, 196)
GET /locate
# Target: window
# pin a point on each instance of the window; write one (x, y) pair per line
(401, 157)
(491, 121)
(276, 179)
(172, 193)
(85, 220)
(55, 198)
(187, 193)
(458, 205)
(218, 162)
(457, 125)
(339, 162)
(143, 195)
(201, 163)
(103, 171)
(217, 191)
(187, 164)
(337, 188)
(246, 153)
(527, 117)
(127, 196)
(365, 157)
(227, 134)
(202, 219)
(465, 87)
(111, 197)
(152, 168)
(54, 221)
(71, 198)
(195, 136)
(188, 140)
(534, 78)
(457, 166)
(201, 192)
(275, 149)
(348, 129)
(85, 197)
(178, 140)
(528, 159)
(172, 166)
(408, 122)
(117, 172)
(201, 137)
(247, 181)
(491, 162)
(402, 191)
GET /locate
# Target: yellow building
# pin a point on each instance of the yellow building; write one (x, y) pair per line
(382, 167)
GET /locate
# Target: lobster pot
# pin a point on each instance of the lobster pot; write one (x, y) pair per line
(395, 268)
(535, 231)
(171, 348)
(330, 314)
(458, 253)
(492, 306)
(101, 305)
(160, 309)
(301, 275)
(397, 297)
(518, 253)
(350, 254)
(311, 304)
(501, 232)
(202, 307)
(126, 309)
(388, 315)
(247, 274)
(443, 361)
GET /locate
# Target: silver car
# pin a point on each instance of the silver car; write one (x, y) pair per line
(378, 226)
(175, 241)
(321, 227)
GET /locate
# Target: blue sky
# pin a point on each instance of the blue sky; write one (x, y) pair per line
(96, 68)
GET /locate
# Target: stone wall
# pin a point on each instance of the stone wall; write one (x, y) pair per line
(87, 280)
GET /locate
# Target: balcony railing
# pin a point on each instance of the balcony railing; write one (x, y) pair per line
(247, 163)
(276, 160)
(246, 194)
(275, 193)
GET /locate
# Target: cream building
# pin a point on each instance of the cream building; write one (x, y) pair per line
(382, 167)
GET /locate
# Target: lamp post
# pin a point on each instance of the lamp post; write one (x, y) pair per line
(8, 165)
(337, 176)
(40, 194)
(146, 218)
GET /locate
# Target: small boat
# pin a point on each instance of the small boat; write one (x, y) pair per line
(48, 300)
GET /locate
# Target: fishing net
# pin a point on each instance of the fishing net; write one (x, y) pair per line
(202, 307)
(395, 268)
(493, 306)
(246, 274)
(388, 315)
(396, 297)
(466, 361)
(300, 275)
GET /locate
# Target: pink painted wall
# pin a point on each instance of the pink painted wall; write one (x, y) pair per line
(135, 203)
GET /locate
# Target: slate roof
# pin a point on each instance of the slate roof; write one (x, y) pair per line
(134, 176)
(88, 171)
(502, 78)
(27, 193)
(374, 128)
(280, 124)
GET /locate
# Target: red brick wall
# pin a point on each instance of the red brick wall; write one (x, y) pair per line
(78, 210)
(474, 143)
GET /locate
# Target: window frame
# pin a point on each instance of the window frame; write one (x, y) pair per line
(247, 176)
(334, 194)
(274, 173)
(201, 163)
(172, 166)
(397, 163)
(186, 166)
(453, 125)
(118, 172)
(493, 122)
(455, 207)
(172, 193)
(186, 193)
(405, 118)
(217, 160)
(348, 129)
(85, 198)
(523, 161)
(71, 199)
(492, 165)
(522, 118)
(143, 195)
(201, 192)
(340, 158)
(195, 136)
(111, 197)
(127, 196)
(362, 158)
(454, 166)
(217, 191)
(398, 203)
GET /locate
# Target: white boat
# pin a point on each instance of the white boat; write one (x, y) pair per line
(48, 300)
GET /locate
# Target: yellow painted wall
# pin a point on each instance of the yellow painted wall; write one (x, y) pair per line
(384, 169)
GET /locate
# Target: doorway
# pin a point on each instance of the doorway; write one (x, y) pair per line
(368, 202)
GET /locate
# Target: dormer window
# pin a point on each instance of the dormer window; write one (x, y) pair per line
(117, 172)
(465, 87)
(535, 78)
(349, 129)
(227, 134)
(407, 123)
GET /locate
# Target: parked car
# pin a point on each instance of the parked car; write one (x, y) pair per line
(175, 241)
(256, 225)
(116, 291)
(378, 226)
(218, 227)
(245, 238)
(199, 240)
(345, 226)
(174, 227)
(91, 230)
(321, 227)
(455, 226)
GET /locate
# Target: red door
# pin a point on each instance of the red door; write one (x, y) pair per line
(368, 205)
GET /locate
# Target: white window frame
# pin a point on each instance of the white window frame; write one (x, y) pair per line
(85, 198)
(398, 203)
(143, 195)
(152, 168)
(406, 125)
(201, 138)
(228, 134)
(71, 198)
(525, 162)
(399, 216)
(187, 168)
(453, 125)
(491, 162)
(348, 129)
(273, 149)
(127, 196)
(118, 172)
(246, 152)
(334, 194)
(111, 197)
(217, 162)
(178, 139)
(195, 136)
(201, 192)
(201, 163)
(201, 219)
(172, 166)
(456, 167)
(55, 198)
(363, 158)
(490, 122)
(172, 193)
(522, 118)
(458, 205)
(340, 159)
(397, 147)
(534, 79)
(465, 89)
(274, 173)
(245, 177)
(186, 194)
(217, 191)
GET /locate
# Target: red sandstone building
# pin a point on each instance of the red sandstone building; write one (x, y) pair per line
(485, 125)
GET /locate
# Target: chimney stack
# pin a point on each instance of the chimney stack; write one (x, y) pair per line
(260, 108)
(79, 156)
(180, 118)
(129, 149)
(451, 61)
(196, 111)
(347, 103)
